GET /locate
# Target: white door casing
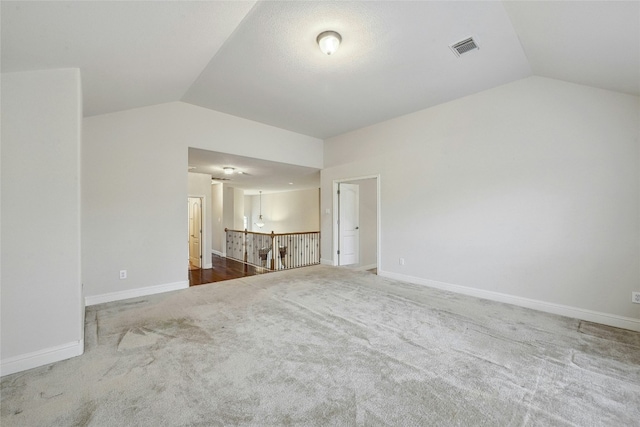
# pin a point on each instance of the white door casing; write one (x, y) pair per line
(348, 220)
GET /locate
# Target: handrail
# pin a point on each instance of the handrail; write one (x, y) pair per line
(294, 249)
(269, 234)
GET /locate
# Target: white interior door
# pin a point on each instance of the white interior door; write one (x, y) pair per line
(348, 219)
(195, 231)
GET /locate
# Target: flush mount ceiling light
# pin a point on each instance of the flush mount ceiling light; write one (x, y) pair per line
(228, 170)
(329, 41)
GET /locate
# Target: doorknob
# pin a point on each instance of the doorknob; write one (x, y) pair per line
(357, 228)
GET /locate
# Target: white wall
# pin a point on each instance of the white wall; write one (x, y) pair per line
(529, 190)
(135, 185)
(368, 222)
(42, 307)
(217, 227)
(227, 207)
(199, 185)
(285, 212)
(238, 209)
(232, 208)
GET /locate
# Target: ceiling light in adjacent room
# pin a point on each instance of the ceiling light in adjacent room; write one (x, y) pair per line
(228, 170)
(329, 41)
(260, 222)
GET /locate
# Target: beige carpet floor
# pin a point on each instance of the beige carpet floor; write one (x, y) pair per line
(325, 346)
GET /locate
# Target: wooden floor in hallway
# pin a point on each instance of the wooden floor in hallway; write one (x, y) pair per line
(223, 269)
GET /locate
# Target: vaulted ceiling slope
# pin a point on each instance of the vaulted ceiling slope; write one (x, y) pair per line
(260, 61)
(130, 53)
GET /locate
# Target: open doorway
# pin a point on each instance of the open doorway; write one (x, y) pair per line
(229, 186)
(357, 223)
(195, 233)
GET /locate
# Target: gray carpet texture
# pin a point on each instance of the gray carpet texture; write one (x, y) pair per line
(323, 346)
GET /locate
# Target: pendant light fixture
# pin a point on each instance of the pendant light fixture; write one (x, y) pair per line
(260, 223)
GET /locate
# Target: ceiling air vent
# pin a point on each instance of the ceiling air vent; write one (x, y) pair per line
(464, 46)
(220, 179)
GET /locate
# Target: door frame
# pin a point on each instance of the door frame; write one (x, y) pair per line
(203, 229)
(335, 244)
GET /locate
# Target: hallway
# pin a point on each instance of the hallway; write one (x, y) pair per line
(223, 269)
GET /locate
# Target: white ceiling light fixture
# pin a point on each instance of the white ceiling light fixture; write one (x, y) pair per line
(329, 41)
(260, 222)
(228, 171)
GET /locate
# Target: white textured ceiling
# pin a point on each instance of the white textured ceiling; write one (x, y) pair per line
(394, 59)
(260, 61)
(130, 53)
(593, 43)
(257, 175)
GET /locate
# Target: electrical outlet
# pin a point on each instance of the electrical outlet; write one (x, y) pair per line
(635, 297)
(123, 274)
(401, 261)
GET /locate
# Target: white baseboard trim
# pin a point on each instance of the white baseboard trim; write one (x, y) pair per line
(218, 253)
(548, 307)
(325, 261)
(134, 293)
(366, 267)
(210, 265)
(42, 357)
